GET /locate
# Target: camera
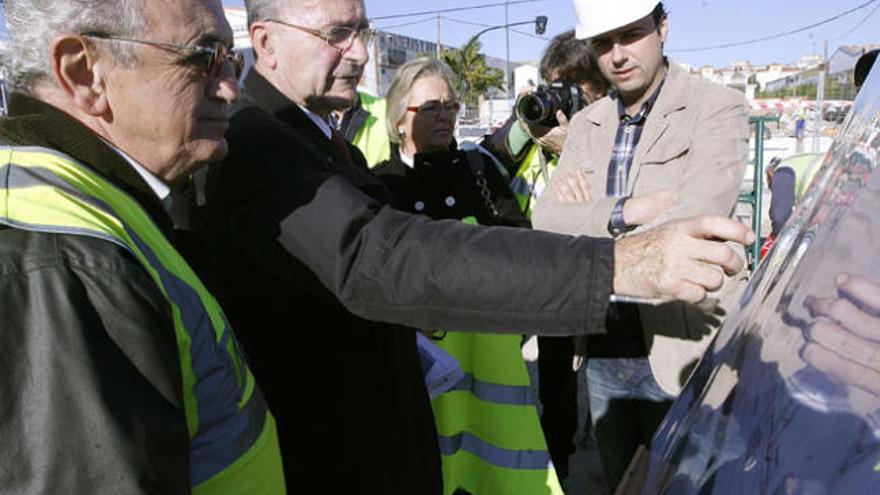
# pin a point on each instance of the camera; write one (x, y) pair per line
(541, 106)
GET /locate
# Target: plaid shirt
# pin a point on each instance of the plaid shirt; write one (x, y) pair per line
(628, 134)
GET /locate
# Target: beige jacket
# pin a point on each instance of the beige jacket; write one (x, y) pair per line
(695, 141)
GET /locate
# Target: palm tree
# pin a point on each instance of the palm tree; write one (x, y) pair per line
(475, 78)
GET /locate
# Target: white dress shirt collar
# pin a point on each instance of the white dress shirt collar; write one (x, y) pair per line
(159, 187)
(407, 160)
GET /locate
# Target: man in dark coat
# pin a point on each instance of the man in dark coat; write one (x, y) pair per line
(314, 258)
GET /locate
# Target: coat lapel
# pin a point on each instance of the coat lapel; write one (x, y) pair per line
(604, 117)
(671, 100)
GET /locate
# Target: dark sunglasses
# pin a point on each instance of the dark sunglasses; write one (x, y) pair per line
(208, 60)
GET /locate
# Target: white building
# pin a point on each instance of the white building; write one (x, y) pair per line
(843, 61)
(526, 77)
(387, 53)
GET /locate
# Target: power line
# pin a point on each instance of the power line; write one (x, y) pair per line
(457, 9)
(776, 36)
(455, 35)
(413, 23)
(865, 19)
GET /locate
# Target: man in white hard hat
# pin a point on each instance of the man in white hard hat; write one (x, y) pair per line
(662, 145)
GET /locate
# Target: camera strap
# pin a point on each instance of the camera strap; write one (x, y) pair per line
(545, 171)
(475, 161)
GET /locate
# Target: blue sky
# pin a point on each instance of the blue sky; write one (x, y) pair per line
(693, 24)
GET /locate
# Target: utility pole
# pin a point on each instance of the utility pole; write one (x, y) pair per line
(540, 23)
(507, 76)
(820, 99)
(438, 36)
(377, 64)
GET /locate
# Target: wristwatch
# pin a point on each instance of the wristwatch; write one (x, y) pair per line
(616, 224)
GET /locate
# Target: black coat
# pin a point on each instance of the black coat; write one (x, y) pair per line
(444, 185)
(309, 253)
(348, 394)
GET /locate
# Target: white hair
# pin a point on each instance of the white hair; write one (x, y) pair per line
(33, 24)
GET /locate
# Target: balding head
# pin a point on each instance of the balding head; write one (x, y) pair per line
(260, 10)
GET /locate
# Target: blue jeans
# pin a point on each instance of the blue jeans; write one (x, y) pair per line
(626, 406)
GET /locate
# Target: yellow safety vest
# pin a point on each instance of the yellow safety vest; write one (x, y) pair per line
(233, 444)
(491, 441)
(529, 179)
(805, 167)
(372, 137)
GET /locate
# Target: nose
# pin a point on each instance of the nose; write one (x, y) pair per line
(449, 114)
(358, 51)
(618, 54)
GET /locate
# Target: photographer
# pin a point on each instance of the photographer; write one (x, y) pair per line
(519, 145)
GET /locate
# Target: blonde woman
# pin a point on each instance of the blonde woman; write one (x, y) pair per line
(426, 171)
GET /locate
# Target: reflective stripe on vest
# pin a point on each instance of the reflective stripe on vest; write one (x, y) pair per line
(372, 137)
(529, 181)
(233, 444)
(506, 458)
(515, 395)
(490, 436)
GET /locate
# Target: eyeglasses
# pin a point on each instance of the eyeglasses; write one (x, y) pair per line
(339, 37)
(209, 60)
(434, 107)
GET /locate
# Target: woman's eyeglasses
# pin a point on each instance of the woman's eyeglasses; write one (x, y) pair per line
(434, 107)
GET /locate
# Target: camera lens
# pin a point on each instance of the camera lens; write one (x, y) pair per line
(532, 108)
(541, 106)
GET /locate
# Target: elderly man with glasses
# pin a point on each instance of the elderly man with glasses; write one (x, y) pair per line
(120, 373)
(316, 269)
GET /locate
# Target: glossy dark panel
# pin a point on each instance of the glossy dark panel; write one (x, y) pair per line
(787, 400)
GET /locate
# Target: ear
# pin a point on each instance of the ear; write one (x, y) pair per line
(79, 74)
(401, 125)
(663, 30)
(263, 43)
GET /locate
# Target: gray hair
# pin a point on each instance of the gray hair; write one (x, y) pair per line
(33, 24)
(260, 10)
(407, 75)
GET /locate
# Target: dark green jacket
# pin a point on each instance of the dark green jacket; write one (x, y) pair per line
(89, 375)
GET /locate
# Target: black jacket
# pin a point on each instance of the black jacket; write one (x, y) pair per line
(311, 252)
(90, 387)
(444, 185)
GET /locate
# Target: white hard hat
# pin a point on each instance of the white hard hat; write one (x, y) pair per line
(600, 16)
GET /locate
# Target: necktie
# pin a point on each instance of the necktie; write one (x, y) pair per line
(341, 144)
